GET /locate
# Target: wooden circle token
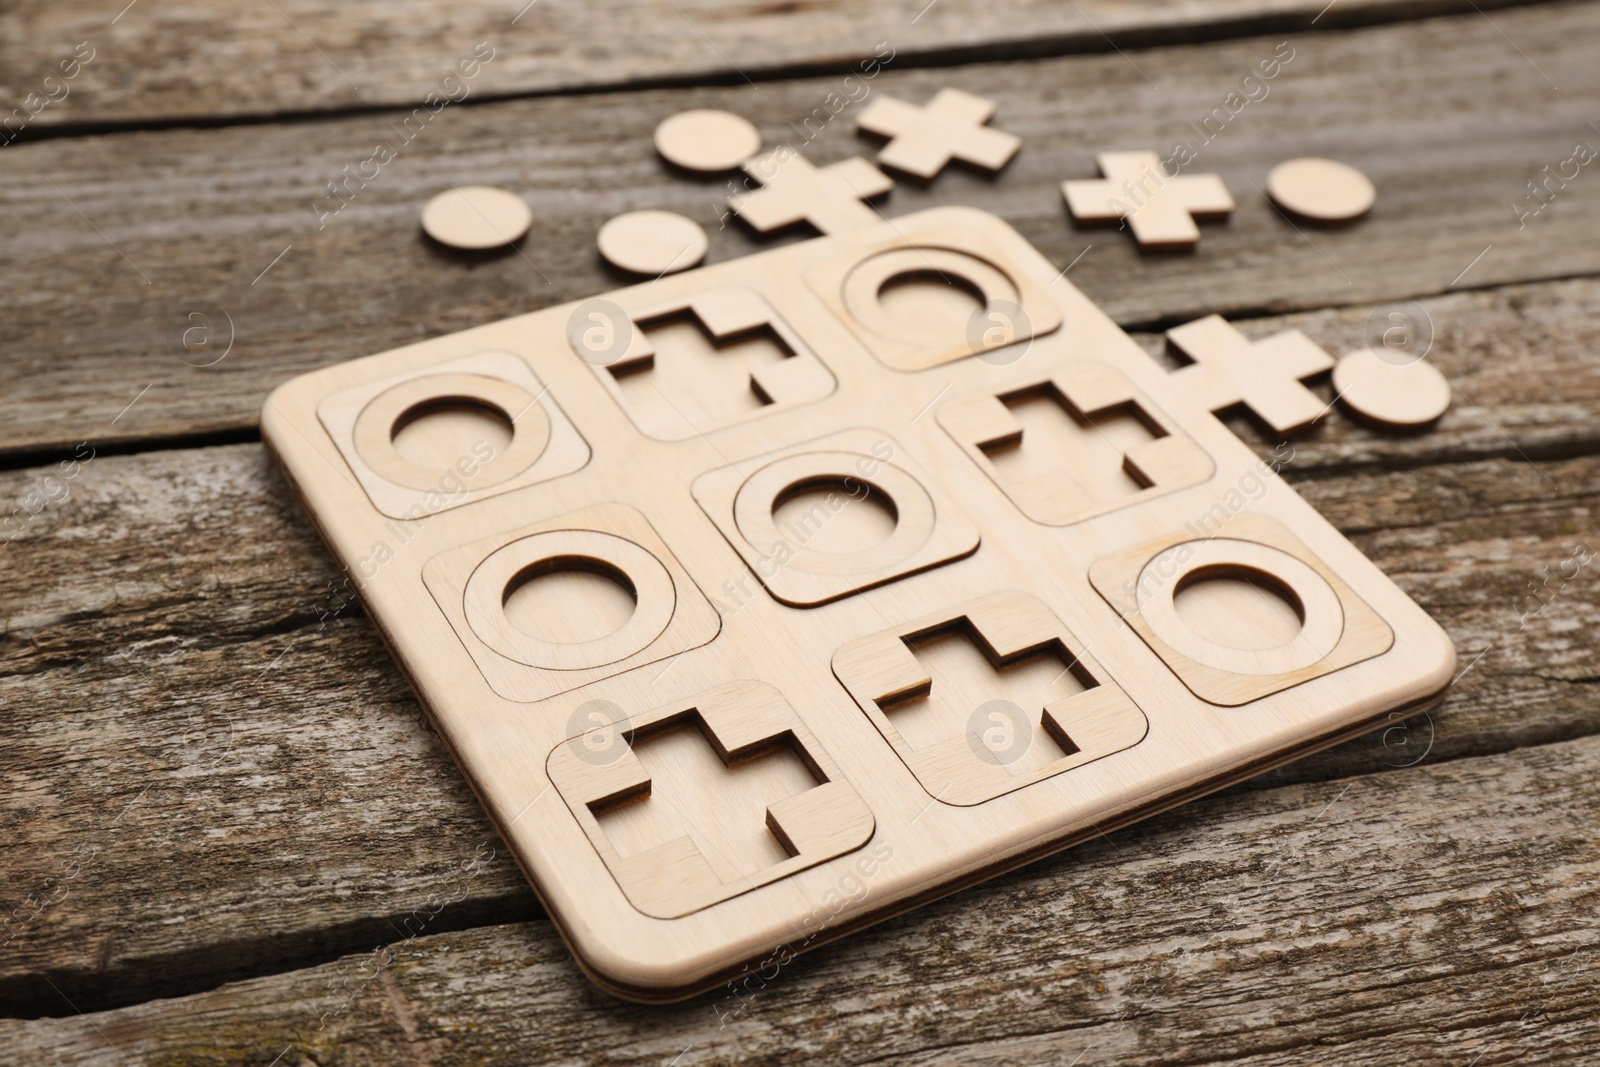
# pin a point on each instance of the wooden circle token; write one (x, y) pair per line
(1390, 394)
(476, 217)
(652, 242)
(1322, 190)
(707, 141)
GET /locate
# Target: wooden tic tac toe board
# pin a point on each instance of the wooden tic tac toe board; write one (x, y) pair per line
(768, 599)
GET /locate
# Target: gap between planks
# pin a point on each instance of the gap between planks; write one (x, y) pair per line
(1314, 909)
(258, 200)
(946, 37)
(429, 789)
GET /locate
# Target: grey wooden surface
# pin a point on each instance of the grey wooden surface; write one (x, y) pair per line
(232, 836)
(211, 60)
(1446, 116)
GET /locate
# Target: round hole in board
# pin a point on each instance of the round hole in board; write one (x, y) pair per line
(834, 515)
(932, 301)
(440, 433)
(569, 600)
(1239, 607)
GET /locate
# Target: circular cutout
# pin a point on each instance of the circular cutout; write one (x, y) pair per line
(866, 520)
(707, 141)
(770, 492)
(498, 580)
(1211, 629)
(931, 300)
(476, 217)
(652, 242)
(1322, 190)
(1238, 607)
(1390, 394)
(925, 296)
(434, 434)
(568, 600)
(453, 457)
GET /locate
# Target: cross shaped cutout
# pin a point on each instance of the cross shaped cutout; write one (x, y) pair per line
(1265, 376)
(923, 140)
(1159, 208)
(793, 190)
(695, 802)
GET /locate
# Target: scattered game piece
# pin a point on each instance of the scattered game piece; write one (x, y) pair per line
(652, 242)
(793, 190)
(924, 139)
(1263, 375)
(476, 217)
(1390, 394)
(707, 141)
(1322, 190)
(1052, 602)
(1159, 209)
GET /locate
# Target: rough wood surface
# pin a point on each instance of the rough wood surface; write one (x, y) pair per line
(210, 60)
(213, 771)
(1437, 915)
(1448, 117)
(170, 626)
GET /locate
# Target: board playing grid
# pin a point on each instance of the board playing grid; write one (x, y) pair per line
(765, 600)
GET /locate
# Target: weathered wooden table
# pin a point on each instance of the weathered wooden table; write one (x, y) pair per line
(230, 837)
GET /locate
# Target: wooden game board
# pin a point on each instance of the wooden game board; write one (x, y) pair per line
(905, 606)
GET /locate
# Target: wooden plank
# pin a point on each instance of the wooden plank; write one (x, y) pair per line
(202, 219)
(297, 56)
(139, 732)
(1441, 915)
(190, 700)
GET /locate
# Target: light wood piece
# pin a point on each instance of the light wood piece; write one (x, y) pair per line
(473, 583)
(469, 458)
(794, 557)
(1321, 190)
(1049, 714)
(1390, 390)
(675, 848)
(941, 296)
(1074, 445)
(476, 218)
(984, 727)
(923, 140)
(794, 190)
(652, 242)
(1265, 376)
(706, 140)
(1212, 649)
(700, 362)
(1158, 208)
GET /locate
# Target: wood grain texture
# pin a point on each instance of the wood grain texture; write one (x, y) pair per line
(164, 628)
(1438, 915)
(227, 220)
(171, 626)
(210, 60)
